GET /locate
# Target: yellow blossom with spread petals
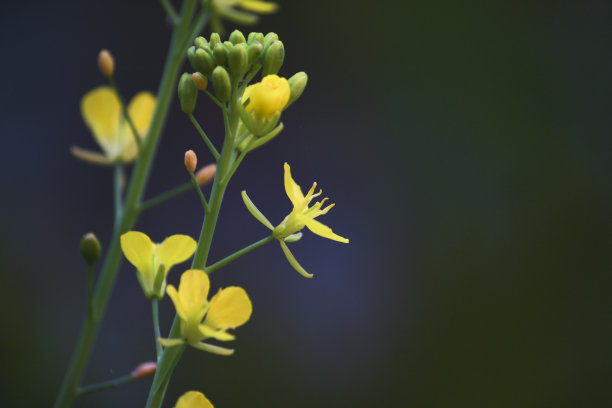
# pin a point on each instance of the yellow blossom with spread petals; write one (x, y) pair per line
(151, 259)
(301, 216)
(193, 399)
(102, 112)
(227, 9)
(228, 309)
(267, 97)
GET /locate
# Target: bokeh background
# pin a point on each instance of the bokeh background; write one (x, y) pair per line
(466, 145)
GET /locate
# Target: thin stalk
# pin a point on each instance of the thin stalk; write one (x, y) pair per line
(114, 383)
(134, 194)
(90, 286)
(214, 99)
(210, 145)
(118, 181)
(170, 12)
(210, 269)
(156, 331)
(152, 202)
(125, 112)
(195, 184)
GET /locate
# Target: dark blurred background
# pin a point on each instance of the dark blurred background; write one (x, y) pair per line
(466, 145)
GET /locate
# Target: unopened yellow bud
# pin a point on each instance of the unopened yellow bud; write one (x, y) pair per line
(200, 81)
(90, 248)
(144, 370)
(206, 174)
(267, 97)
(106, 63)
(191, 161)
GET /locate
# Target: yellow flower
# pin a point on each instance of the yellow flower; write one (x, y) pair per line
(301, 216)
(101, 110)
(226, 9)
(267, 97)
(228, 309)
(151, 259)
(193, 399)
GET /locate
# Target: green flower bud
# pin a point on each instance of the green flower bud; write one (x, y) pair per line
(238, 60)
(187, 93)
(221, 54)
(214, 40)
(228, 46)
(256, 37)
(273, 58)
(200, 42)
(269, 39)
(221, 82)
(204, 62)
(254, 50)
(297, 84)
(236, 37)
(90, 248)
(191, 56)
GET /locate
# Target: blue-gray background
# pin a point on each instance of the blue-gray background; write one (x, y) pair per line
(466, 145)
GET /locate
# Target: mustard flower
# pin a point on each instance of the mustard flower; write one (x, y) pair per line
(153, 261)
(228, 309)
(301, 216)
(102, 112)
(193, 399)
(268, 97)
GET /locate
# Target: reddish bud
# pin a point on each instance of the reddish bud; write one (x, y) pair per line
(206, 174)
(144, 370)
(191, 161)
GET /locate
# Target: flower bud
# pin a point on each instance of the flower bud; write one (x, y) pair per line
(255, 37)
(221, 54)
(200, 81)
(221, 82)
(144, 370)
(90, 248)
(187, 93)
(236, 37)
(214, 40)
(204, 62)
(191, 161)
(254, 50)
(297, 84)
(269, 39)
(106, 63)
(273, 58)
(206, 174)
(238, 60)
(200, 42)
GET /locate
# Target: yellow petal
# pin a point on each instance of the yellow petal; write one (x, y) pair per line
(90, 157)
(138, 249)
(324, 231)
(193, 399)
(294, 192)
(101, 111)
(176, 249)
(140, 109)
(222, 351)
(221, 335)
(180, 310)
(229, 308)
(170, 342)
(193, 291)
(257, 6)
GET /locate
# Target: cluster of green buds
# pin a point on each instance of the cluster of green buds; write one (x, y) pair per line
(230, 66)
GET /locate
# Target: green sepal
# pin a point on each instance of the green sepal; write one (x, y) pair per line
(297, 84)
(293, 261)
(255, 211)
(214, 40)
(269, 39)
(236, 37)
(204, 62)
(187, 93)
(274, 56)
(200, 42)
(255, 143)
(221, 82)
(293, 237)
(255, 36)
(238, 61)
(221, 54)
(254, 51)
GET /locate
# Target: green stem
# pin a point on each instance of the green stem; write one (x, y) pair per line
(165, 196)
(214, 99)
(125, 112)
(210, 145)
(210, 269)
(156, 331)
(90, 291)
(114, 383)
(195, 184)
(171, 355)
(138, 182)
(174, 18)
(118, 181)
